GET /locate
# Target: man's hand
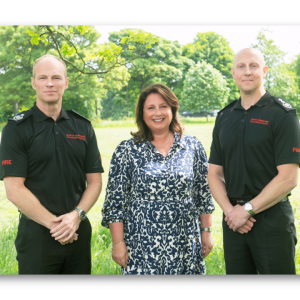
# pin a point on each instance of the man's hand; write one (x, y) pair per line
(120, 254)
(246, 227)
(70, 241)
(207, 242)
(68, 224)
(237, 218)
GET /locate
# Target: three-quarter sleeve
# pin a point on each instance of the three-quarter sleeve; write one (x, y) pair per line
(118, 186)
(201, 192)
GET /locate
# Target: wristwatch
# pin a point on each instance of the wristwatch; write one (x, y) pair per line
(209, 229)
(248, 207)
(81, 213)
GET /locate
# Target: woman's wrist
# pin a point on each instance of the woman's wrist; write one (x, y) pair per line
(122, 241)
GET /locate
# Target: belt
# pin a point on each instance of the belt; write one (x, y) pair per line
(242, 202)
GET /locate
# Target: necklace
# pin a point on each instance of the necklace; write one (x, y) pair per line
(166, 142)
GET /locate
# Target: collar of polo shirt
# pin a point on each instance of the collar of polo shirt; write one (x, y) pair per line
(39, 116)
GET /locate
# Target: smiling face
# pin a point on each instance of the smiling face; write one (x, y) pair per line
(157, 113)
(49, 81)
(249, 70)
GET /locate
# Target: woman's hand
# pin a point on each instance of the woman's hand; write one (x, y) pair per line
(207, 242)
(120, 254)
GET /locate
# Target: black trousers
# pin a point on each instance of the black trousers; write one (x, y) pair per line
(39, 253)
(269, 248)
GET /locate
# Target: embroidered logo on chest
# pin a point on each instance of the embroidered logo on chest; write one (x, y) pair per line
(75, 137)
(259, 121)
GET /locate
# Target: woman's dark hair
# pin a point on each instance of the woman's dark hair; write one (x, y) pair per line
(144, 133)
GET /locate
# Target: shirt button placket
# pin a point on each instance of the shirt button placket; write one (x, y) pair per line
(241, 126)
(56, 135)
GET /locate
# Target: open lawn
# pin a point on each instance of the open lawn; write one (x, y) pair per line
(109, 135)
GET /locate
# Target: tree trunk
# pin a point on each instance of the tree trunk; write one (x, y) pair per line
(16, 107)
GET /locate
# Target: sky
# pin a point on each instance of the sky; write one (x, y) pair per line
(286, 37)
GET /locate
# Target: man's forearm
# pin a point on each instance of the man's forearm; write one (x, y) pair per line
(69, 223)
(277, 188)
(27, 203)
(218, 191)
(90, 194)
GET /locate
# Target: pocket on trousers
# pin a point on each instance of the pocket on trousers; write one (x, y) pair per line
(288, 216)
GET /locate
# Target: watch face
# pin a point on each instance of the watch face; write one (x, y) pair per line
(248, 206)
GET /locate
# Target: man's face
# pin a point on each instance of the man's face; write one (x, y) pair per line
(49, 81)
(249, 70)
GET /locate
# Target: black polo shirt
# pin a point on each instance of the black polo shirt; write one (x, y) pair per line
(53, 156)
(250, 144)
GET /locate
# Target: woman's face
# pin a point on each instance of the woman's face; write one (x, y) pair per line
(157, 114)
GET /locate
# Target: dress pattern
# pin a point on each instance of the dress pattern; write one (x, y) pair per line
(159, 200)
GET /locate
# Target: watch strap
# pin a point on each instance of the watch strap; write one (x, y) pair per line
(209, 229)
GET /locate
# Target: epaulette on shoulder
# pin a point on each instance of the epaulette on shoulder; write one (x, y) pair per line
(76, 113)
(282, 103)
(230, 104)
(20, 117)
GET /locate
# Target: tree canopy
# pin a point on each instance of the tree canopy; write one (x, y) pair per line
(273, 57)
(93, 68)
(214, 49)
(103, 76)
(162, 63)
(204, 88)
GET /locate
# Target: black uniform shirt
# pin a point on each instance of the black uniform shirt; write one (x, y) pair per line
(53, 156)
(250, 144)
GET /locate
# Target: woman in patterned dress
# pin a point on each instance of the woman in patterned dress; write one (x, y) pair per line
(156, 192)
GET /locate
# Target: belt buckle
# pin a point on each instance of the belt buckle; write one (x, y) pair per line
(240, 201)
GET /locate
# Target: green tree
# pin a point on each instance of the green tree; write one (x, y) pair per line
(273, 58)
(295, 66)
(204, 88)
(17, 56)
(93, 59)
(214, 49)
(15, 69)
(162, 63)
(285, 85)
(281, 79)
(93, 68)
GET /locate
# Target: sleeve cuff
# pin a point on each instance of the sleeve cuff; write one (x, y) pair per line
(105, 223)
(288, 160)
(14, 174)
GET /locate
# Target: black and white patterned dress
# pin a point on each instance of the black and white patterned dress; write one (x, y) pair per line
(159, 200)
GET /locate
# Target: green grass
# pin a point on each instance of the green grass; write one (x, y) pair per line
(108, 137)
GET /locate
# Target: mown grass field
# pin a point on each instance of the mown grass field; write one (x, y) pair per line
(109, 135)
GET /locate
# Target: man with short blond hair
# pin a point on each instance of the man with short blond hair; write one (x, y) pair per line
(253, 167)
(53, 177)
